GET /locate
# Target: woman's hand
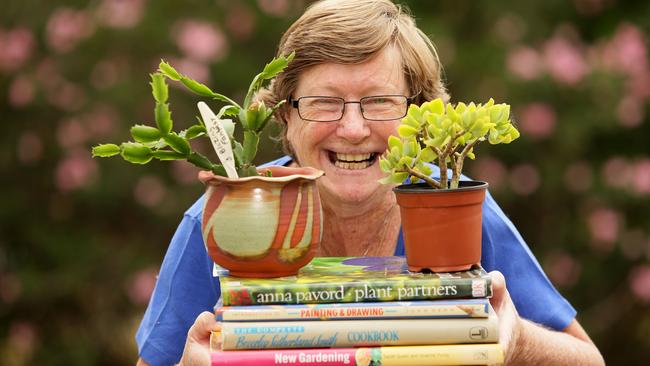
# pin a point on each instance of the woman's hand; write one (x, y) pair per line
(197, 345)
(509, 320)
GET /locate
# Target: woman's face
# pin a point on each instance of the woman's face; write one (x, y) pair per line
(348, 150)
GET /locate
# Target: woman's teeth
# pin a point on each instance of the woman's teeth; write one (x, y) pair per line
(354, 161)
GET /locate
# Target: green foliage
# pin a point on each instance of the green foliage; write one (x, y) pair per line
(162, 143)
(446, 135)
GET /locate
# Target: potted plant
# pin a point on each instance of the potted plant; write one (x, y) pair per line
(279, 207)
(441, 217)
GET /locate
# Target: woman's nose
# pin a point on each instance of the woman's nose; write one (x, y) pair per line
(352, 126)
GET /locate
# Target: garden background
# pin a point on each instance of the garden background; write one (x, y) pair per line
(81, 239)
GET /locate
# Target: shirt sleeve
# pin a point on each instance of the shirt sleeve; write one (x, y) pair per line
(533, 294)
(185, 288)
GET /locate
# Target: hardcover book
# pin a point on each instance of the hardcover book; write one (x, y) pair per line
(457, 354)
(356, 333)
(460, 308)
(355, 279)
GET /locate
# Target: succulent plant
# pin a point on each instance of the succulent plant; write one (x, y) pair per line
(443, 134)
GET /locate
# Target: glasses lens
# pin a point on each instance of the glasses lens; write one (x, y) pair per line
(384, 107)
(321, 109)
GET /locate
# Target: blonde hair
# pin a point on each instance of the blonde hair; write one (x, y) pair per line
(351, 32)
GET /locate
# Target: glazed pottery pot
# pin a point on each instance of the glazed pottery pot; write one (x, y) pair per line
(262, 226)
(442, 227)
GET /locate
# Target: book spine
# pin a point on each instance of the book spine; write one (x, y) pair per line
(460, 354)
(465, 308)
(356, 333)
(377, 290)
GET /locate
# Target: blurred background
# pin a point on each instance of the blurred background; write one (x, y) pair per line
(81, 239)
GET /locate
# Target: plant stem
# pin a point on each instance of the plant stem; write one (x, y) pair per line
(459, 163)
(430, 181)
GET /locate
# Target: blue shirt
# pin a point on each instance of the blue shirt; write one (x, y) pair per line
(186, 286)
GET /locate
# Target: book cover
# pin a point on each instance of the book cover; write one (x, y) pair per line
(355, 279)
(457, 354)
(460, 308)
(356, 333)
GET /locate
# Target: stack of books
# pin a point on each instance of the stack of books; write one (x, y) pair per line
(357, 311)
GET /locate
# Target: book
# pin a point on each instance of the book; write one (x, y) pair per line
(356, 333)
(460, 308)
(457, 354)
(355, 279)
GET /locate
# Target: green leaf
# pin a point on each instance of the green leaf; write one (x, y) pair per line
(394, 141)
(436, 106)
(251, 140)
(193, 132)
(136, 153)
(178, 143)
(167, 155)
(163, 118)
(196, 87)
(238, 152)
(385, 165)
(395, 178)
(142, 133)
(406, 131)
(105, 150)
(159, 88)
(168, 70)
(276, 66)
(428, 155)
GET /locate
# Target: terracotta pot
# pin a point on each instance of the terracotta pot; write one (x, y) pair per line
(442, 227)
(262, 226)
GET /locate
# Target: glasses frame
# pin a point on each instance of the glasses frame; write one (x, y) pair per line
(295, 103)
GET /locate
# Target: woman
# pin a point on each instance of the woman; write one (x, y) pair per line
(359, 50)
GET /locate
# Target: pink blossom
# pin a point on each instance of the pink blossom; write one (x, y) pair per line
(67, 27)
(106, 74)
(525, 63)
(630, 111)
(101, 120)
(66, 96)
(641, 177)
(565, 61)
(200, 41)
(490, 170)
(617, 172)
(604, 226)
(30, 148)
(120, 13)
(578, 177)
(75, 171)
(639, 281)
(276, 8)
(510, 28)
(524, 179)
(71, 133)
(627, 50)
(184, 173)
(141, 285)
(240, 22)
(537, 120)
(562, 269)
(22, 337)
(21, 91)
(149, 191)
(16, 47)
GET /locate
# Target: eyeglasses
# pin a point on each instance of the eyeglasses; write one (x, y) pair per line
(331, 109)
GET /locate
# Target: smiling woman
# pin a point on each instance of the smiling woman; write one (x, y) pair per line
(358, 65)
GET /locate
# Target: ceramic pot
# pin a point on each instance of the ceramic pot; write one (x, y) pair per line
(442, 227)
(262, 226)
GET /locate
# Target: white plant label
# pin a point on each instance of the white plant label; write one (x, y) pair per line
(219, 138)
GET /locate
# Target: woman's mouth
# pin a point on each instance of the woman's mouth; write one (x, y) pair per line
(352, 161)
